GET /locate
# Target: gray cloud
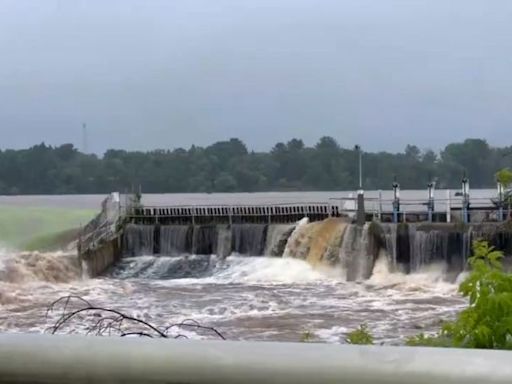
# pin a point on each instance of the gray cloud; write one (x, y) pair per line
(163, 74)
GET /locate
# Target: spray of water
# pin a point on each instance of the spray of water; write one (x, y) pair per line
(21, 272)
(261, 270)
(53, 267)
(296, 239)
(427, 277)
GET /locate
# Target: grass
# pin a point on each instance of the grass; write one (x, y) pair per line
(53, 241)
(39, 227)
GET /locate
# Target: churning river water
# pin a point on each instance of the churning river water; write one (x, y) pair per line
(244, 298)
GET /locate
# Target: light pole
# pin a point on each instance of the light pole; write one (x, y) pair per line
(465, 199)
(431, 190)
(360, 152)
(396, 200)
(500, 200)
(361, 215)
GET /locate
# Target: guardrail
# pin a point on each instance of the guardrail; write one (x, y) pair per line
(80, 359)
(103, 227)
(236, 210)
(207, 214)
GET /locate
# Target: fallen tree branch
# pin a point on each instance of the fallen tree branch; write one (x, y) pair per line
(107, 321)
(195, 324)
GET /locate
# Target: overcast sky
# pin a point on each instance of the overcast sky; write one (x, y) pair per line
(162, 74)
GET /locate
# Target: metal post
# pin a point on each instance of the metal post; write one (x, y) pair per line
(431, 191)
(360, 169)
(380, 205)
(465, 199)
(448, 206)
(396, 201)
(360, 152)
(500, 202)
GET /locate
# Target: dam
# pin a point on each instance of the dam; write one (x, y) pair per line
(320, 233)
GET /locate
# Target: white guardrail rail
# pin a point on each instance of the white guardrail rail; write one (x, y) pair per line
(80, 359)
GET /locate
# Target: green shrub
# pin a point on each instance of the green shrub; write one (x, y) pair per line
(504, 176)
(423, 340)
(487, 322)
(360, 336)
(306, 336)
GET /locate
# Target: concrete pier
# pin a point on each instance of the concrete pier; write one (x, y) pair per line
(97, 260)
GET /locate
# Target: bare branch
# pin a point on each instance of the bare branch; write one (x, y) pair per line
(107, 320)
(141, 334)
(195, 324)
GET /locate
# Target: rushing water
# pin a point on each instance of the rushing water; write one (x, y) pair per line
(246, 298)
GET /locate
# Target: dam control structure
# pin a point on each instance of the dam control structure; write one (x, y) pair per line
(351, 232)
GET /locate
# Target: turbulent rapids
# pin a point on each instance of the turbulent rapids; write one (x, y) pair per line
(259, 282)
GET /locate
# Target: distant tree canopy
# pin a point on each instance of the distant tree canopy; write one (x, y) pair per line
(228, 166)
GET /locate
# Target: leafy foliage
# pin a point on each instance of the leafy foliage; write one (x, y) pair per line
(487, 322)
(307, 336)
(423, 340)
(360, 336)
(228, 166)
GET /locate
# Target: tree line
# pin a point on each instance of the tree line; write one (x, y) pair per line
(228, 166)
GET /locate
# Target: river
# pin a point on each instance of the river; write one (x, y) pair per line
(244, 298)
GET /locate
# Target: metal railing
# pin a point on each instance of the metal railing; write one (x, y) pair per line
(378, 207)
(234, 210)
(103, 227)
(80, 359)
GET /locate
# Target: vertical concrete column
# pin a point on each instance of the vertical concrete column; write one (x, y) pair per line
(361, 214)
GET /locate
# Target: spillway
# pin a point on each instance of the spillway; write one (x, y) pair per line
(333, 242)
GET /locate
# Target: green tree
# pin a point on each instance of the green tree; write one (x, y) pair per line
(473, 156)
(229, 166)
(225, 183)
(504, 176)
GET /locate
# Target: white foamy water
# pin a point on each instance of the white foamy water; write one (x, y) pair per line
(262, 270)
(246, 298)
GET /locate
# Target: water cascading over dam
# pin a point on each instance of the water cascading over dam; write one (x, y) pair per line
(332, 243)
